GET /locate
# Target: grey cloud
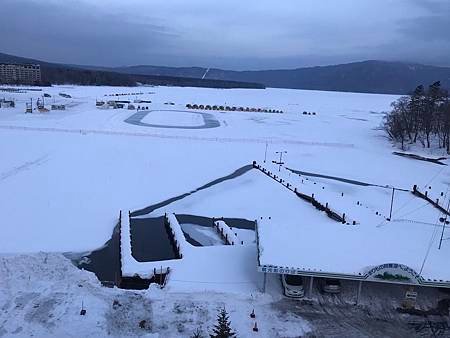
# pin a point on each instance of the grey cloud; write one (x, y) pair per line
(74, 32)
(432, 6)
(433, 24)
(233, 34)
(425, 38)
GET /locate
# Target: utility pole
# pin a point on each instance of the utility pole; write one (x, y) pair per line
(392, 203)
(265, 153)
(280, 162)
(443, 225)
(442, 234)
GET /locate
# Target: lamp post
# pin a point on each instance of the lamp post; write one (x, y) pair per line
(265, 153)
(280, 162)
(392, 203)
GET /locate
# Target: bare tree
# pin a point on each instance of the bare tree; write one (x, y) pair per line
(422, 116)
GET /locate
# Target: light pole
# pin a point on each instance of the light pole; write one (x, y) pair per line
(280, 162)
(265, 154)
(444, 223)
(392, 204)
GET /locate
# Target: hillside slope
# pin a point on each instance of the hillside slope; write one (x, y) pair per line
(54, 73)
(366, 77)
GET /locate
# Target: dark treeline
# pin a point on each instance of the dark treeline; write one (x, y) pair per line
(421, 117)
(70, 75)
(61, 75)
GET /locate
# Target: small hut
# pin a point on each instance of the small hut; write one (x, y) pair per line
(58, 107)
(7, 104)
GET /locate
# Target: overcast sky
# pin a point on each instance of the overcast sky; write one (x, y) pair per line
(232, 34)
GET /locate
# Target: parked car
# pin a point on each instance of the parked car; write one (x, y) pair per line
(331, 285)
(293, 286)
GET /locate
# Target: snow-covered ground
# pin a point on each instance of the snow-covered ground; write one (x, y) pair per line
(204, 236)
(173, 118)
(41, 295)
(64, 175)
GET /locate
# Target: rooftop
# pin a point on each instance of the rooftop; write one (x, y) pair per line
(307, 241)
(294, 234)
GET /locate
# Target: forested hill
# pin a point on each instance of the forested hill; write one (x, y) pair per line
(365, 77)
(54, 73)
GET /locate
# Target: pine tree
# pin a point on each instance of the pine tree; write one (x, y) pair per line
(223, 327)
(197, 334)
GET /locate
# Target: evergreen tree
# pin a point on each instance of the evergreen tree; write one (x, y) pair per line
(415, 107)
(223, 327)
(197, 334)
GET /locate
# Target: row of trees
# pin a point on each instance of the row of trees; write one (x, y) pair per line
(90, 77)
(423, 116)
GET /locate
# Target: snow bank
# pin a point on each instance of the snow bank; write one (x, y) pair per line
(125, 238)
(41, 295)
(178, 235)
(226, 232)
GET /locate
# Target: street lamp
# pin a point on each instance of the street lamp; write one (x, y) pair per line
(280, 162)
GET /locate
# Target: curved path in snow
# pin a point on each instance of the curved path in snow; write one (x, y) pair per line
(239, 172)
(209, 120)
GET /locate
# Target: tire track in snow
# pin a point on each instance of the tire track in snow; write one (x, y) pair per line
(27, 165)
(180, 137)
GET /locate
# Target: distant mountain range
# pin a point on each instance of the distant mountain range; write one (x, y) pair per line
(366, 77)
(55, 73)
